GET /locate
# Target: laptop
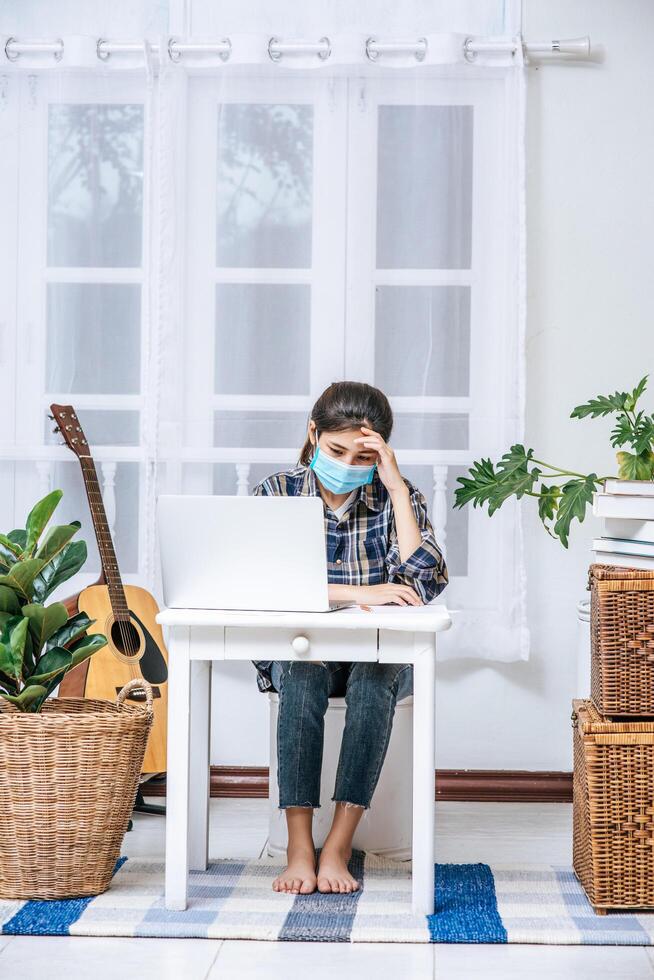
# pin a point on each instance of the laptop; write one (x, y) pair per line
(228, 552)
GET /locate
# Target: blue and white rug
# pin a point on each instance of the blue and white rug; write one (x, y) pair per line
(233, 899)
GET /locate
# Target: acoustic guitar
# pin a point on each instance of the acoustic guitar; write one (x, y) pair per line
(124, 613)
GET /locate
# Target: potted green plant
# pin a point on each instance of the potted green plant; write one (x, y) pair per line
(69, 767)
(39, 643)
(562, 494)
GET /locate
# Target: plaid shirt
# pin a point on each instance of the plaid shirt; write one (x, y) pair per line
(362, 548)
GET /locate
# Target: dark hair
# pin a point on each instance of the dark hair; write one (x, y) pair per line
(348, 405)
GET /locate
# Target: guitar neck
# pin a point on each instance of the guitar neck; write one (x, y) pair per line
(103, 537)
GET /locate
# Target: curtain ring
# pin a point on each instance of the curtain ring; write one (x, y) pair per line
(467, 53)
(324, 55)
(172, 54)
(370, 54)
(102, 55)
(11, 55)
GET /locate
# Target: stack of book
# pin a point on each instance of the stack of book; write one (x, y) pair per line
(627, 507)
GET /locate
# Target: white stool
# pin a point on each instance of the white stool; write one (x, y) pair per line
(386, 827)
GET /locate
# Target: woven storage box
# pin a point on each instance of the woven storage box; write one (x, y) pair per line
(613, 809)
(622, 640)
(68, 781)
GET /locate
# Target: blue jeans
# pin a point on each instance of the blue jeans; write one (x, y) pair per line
(371, 691)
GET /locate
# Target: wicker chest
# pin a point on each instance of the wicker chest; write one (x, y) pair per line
(622, 640)
(613, 809)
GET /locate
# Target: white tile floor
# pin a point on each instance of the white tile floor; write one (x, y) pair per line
(465, 832)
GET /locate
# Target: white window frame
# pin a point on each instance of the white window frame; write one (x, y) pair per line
(325, 277)
(33, 476)
(486, 277)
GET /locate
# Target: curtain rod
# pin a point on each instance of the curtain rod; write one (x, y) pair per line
(374, 48)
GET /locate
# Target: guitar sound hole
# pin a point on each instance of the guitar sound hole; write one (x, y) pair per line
(125, 638)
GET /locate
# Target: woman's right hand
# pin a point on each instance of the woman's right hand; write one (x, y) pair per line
(376, 595)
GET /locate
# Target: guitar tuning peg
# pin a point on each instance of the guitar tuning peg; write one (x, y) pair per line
(56, 429)
(51, 417)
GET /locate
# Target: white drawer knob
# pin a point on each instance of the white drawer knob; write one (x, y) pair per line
(300, 644)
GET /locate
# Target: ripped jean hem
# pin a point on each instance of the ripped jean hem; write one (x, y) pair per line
(304, 806)
(347, 803)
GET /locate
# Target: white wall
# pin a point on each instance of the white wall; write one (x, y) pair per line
(590, 212)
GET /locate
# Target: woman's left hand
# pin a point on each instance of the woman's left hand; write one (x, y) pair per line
(389, 472)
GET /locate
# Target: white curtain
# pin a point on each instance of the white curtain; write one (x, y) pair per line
(194, 248)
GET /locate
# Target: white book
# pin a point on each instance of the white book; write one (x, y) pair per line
(623, 505)
(630, 529)
(641, 488)
(626, 561)
(621, 546)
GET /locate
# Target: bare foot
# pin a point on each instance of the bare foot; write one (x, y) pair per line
(299, 878)
(333, 875)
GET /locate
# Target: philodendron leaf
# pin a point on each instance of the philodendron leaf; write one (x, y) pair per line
(644, 440)
(575, 497)
(56, 538)
(27, 697)
(477, 488)
(53, 662)
(9, 601)
(39, 516)
(20, 577)
(86, 647)
(548, 502)
(44, 621)
(602, 405)
(64, 564)
(72, 630)
(632, 467)
(630, 403)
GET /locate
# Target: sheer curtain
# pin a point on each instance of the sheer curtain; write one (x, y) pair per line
(196, 246)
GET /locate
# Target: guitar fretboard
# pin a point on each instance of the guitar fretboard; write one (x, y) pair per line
(103, 537)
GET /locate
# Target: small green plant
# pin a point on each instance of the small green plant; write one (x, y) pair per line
(518, 473)
(39, 643)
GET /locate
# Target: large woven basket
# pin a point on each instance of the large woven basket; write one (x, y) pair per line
(613, 809)
(68, 781)
(622, 640)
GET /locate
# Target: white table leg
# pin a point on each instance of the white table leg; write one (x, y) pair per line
(177, 778)
(199, 763)
(424, 764)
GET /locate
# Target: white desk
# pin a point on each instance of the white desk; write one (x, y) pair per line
(388, 634)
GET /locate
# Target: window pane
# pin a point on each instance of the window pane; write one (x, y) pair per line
(424, 187)
(225, 476)
(95, 185)
(262, 339)
(265, 172)
(260, 429)
(422, 340)
(414, 431)
(93, 338)
(102, 428)
(75, 506)
(456, 544)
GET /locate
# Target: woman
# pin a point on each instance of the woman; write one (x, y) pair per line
(380, 549)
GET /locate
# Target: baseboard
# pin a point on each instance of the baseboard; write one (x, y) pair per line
(491, 785)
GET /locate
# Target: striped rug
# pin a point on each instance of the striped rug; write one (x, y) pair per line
(233, 899)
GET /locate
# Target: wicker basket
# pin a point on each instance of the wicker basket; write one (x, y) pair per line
(68, 781)
(613, 809)
(622, 640)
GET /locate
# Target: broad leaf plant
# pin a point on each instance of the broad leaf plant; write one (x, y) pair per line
(563, 495)
(39, 643)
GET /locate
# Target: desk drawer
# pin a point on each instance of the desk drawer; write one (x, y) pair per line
(245, 643)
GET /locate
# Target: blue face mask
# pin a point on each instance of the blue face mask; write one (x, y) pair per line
(339, 477)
